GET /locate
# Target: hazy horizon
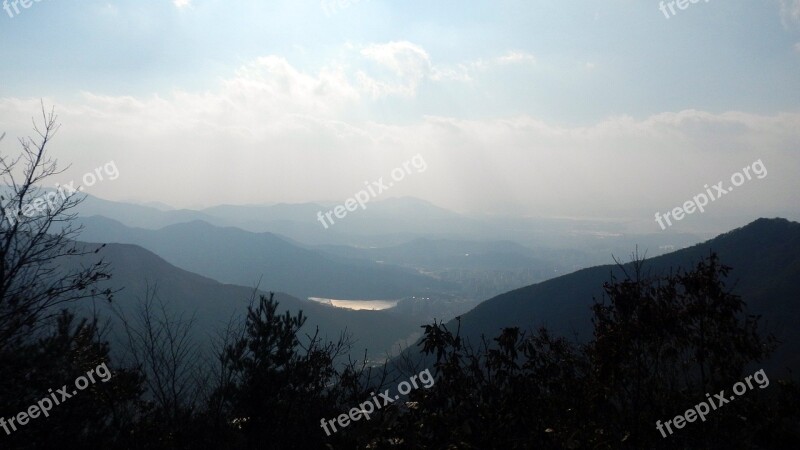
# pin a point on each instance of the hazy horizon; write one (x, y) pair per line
(524, 109)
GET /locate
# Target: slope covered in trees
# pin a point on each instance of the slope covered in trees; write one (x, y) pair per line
(765, 256)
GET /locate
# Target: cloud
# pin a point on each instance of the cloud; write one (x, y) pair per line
(182, 3)
(272, 85)
(403, 58)
(515, 57)
(790, 12)
(509, 58)
(275, 132)
(409, 63)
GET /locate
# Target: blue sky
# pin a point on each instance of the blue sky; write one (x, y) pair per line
(714, 56)
(341, 91)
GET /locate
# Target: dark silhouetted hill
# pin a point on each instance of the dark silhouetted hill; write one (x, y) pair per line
(765, 256)
(215, 303)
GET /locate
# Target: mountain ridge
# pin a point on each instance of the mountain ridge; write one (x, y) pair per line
(764, 255)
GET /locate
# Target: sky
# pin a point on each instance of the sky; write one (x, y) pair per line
(599, 109)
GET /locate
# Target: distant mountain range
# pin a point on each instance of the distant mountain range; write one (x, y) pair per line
(240, 257)
(395, 221)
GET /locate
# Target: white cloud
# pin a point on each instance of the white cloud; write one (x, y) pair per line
(790, 12)
(182, 3)
(510, 57)
(515, 57)
(403, 58)
(409, 63)
(273, 132)
(461, 72)
(273, 85)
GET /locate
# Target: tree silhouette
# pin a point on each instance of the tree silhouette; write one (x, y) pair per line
(659, 345)
(282, 385)
(42, 345)
(37, 242)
